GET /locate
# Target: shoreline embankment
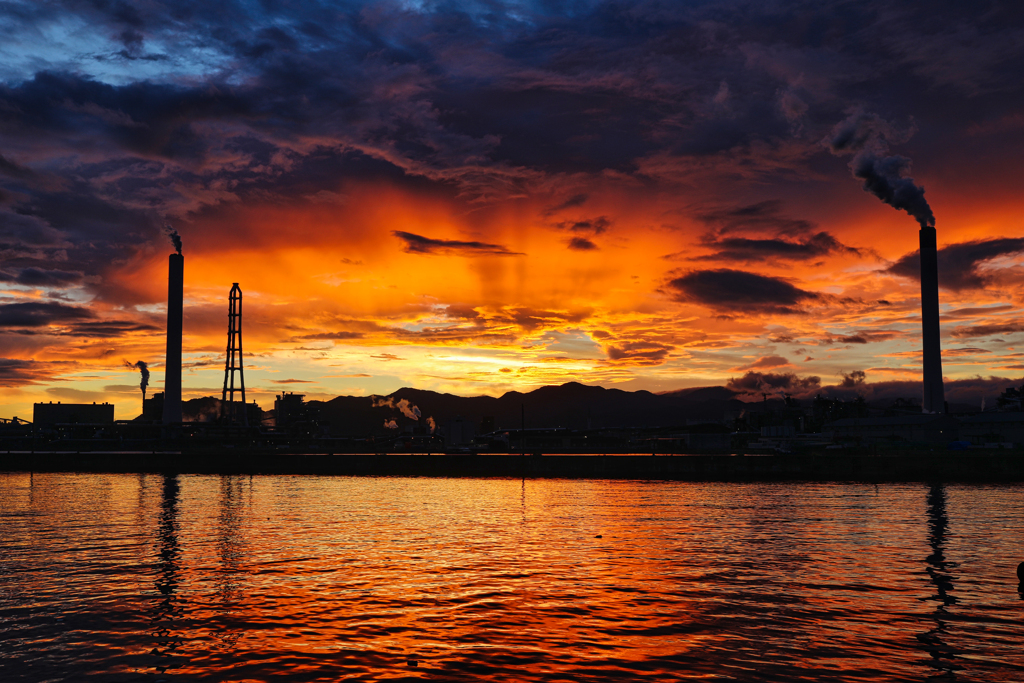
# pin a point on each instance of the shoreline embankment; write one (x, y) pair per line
(964, 466)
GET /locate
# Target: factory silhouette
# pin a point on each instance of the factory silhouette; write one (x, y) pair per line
(571, 418)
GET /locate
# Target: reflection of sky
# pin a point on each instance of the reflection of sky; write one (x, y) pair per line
(499, 579)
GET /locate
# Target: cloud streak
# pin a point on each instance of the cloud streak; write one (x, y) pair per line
(739, 291)
(961, 265)
(417, 244)
(40, 314)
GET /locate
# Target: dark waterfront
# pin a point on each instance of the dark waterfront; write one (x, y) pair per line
(125, 577)
(863, 465)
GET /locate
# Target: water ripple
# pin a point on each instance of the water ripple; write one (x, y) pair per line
(202, 578)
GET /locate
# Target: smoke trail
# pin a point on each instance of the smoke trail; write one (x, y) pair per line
(390, 424)
(175, 238)
(432, 425)
(867, 137)
(144, 370)
(408, 409)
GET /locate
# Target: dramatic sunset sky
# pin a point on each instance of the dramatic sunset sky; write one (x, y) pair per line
(475, 197)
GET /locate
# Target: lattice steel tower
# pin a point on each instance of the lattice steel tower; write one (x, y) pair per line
(230, 411)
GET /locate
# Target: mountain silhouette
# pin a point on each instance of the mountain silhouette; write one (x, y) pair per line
(572, 405)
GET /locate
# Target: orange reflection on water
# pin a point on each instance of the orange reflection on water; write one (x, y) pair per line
(320, 578)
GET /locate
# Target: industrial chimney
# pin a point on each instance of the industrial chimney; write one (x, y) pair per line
(172, 365)
(887, 176)
(934, 394)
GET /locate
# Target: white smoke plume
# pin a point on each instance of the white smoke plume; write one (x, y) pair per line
(432, 424)
(408, 409)
(390, 424)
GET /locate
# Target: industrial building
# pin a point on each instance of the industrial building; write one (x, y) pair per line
(46, 414)
(993, 430)
(901, 429)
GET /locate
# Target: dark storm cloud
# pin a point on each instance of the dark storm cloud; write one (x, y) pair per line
(744, 249)
(592, 226)
(16, 372)
(766, 216)
(180, 107)
(639, 353)
(974, 311)
(462, 312)
(23, 233)
(960, 264)
(990, 330)
(862, 337)
(581, 244)
(765, 363)
(36, 277)
(853, 379)
(110, 329)
(737, 290)
(12, 169)
(40, 314)
(792, 239)
(572, 202)
(545, 87)
(145, 118)
(417, 244)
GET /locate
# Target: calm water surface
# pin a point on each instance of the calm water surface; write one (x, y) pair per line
(205, 578)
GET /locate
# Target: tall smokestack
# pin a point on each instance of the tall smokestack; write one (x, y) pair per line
(172, 364)
(934, 392)
(887, 176)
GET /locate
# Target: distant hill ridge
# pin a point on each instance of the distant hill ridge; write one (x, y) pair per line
(572, 405)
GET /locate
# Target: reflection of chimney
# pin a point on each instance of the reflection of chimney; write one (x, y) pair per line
(934, 394)
(172, 364)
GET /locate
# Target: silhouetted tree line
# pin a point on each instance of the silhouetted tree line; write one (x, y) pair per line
(825, 410)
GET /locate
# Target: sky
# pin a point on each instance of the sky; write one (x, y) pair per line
(478, 197)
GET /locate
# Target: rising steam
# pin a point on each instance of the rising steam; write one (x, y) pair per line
(390, 424)
(175, 238)
(144, 370)
(867, 137)
(408, 409)
(432, 424)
